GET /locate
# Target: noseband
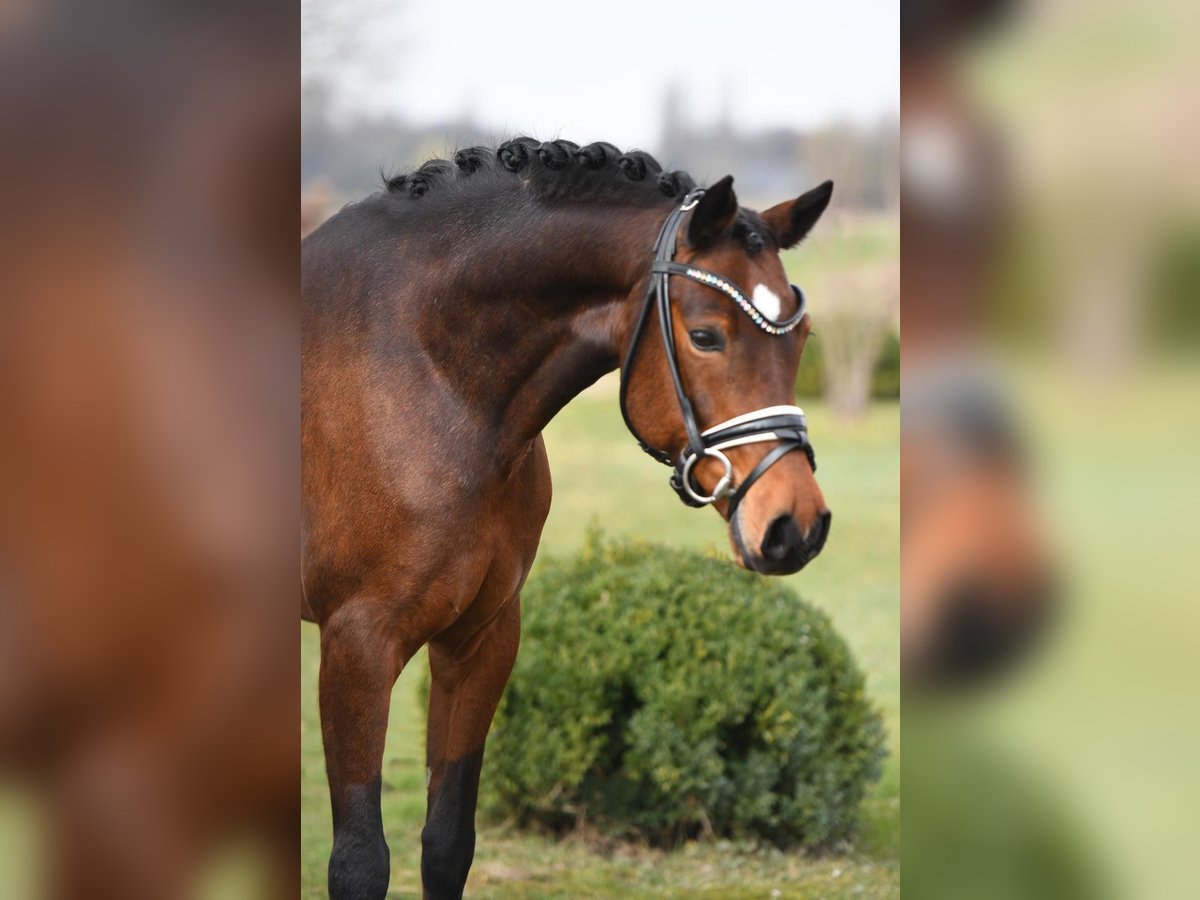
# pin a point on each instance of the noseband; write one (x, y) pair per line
(782, 424)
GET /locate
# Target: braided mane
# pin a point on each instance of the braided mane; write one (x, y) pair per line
(552, 169)
(560, 170)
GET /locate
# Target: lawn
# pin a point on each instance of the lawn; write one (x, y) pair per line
(601, 477)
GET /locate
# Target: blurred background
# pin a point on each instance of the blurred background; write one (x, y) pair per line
(782, 98)
(1050, 294)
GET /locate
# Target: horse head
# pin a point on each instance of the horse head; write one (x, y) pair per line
(714, 396)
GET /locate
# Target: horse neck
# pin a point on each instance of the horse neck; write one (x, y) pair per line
(551, 312)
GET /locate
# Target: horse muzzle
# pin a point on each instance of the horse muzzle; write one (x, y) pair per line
(784, 548)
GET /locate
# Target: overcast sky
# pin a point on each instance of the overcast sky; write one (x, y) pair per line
(590, 70)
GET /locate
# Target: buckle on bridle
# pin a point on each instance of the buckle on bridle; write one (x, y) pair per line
(690, 201)
(682, 480)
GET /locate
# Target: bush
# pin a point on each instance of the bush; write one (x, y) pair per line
(885, 377)
(663, 694)
(810, 378)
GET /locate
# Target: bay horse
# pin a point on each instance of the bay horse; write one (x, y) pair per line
(445, 321)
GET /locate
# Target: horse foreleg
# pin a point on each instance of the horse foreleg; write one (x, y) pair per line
(359, 666)
(468, 677)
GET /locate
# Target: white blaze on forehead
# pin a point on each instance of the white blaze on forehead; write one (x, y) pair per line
(767, 302)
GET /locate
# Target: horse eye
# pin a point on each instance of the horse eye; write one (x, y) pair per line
(706, 339)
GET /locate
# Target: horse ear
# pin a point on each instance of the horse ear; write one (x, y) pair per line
(714, 214)
(792, 220)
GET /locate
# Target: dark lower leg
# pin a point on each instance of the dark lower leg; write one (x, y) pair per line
(360, 864)
(467, 682)
(448, 840)
(357, 674)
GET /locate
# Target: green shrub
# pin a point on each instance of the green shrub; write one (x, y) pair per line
(885, 377)
(810, 378)
(1173, 315)
(663, 694)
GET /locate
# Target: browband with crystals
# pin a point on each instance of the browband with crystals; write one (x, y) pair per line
(731, 290)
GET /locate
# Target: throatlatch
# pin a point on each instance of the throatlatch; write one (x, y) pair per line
(783, 424)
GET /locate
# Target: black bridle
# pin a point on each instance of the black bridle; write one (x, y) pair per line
(785, 425)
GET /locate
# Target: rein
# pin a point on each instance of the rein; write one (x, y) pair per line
(783, 424)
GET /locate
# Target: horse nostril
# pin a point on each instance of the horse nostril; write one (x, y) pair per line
(983, 628)
(819, 532)
(782, 538)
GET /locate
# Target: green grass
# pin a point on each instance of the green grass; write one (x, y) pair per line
(600, 476)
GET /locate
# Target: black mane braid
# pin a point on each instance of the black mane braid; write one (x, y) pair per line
(557, 171)
(552, 169)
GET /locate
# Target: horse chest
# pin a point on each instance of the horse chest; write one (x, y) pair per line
(509, 529)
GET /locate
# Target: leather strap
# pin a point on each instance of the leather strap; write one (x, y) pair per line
(757, 472)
